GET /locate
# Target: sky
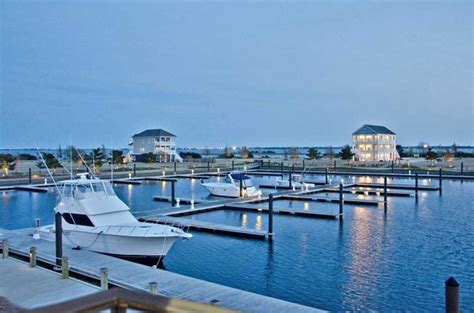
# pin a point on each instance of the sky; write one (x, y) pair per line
(217, 73)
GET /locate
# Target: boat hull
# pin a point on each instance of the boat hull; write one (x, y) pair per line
(124, 246)
(230, 191)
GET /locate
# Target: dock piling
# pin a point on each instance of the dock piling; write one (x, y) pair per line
(233, 164)
(104, 278)
(385, 193)
(32, 256)
(326, 173)
(452, 295)
(65, 267)
(174, 167)
(416, 186)
(462, 168)
(5, 248)
(208, 166)
(440, 181)
(29, 175)
(134, 170)
(270, 216)
(241, 186)
(392, 165)
(152, 287)
(334, 164)
(341, 200)
(173, 193)
(59, 238)
(281, 168)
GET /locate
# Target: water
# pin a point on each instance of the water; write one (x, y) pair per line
(389, 262)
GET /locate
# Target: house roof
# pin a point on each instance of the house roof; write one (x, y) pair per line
(373, 129)
(154, 133)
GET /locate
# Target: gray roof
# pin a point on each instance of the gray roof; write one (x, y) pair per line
(373, 129)
(154, 133)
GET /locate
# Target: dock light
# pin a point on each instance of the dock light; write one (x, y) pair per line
(378, 193)
(45, 181)
(192, 171)
(342, 181)
(129, 175)
(366, 193)
(259, 209)
(164, 173)
(353, 192)
(218, 170)
(177, 202)
(192, 203)
(245, 168)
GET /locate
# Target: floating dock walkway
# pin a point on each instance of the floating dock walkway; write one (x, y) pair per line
(396, 186)
(207, 226)
(286, 211)
(134, 276)
(333, 200)
(371, 192)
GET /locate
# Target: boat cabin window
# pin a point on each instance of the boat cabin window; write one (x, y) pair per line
(77, 219)
(88, 189)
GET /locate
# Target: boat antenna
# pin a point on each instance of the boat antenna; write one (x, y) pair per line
(70, 157)
(50, 174)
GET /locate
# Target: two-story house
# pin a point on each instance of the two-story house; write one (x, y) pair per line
(372, 143)
(156, 141)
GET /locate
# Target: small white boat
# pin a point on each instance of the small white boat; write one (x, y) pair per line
(296, 181)
(231, 186)
(94, 218)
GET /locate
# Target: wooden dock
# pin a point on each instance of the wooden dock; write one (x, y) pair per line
(333, 200)
(207, 226)
(136, 277)
(30, 188)
(371, 192)
(397, 186)
(126, 181)
(33, 287)
(184, 201)
(286, 211)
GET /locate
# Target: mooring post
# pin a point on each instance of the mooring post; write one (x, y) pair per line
(5, 248)
(392, 165)
(174, 167)
(241, 185)
(334, 164)
(233, 164)
(452, 295)
(462, 168)
(303, 164)
(29, 175)
(65, 267)
(134, 170)
(281, 168)
(173, 193)
(59, 238)
(152, 287)
(104, 278)
(341, 200)
(270, 216)
(416, 186)
(208, 166)
(440, 181)
(32, 256)
(385, 192)
(326, 173)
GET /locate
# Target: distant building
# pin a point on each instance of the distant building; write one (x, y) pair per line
(374, 143)
(157, 141)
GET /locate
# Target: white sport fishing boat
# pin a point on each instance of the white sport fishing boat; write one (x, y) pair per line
(296, 181)
(231, 186)
(94, 218)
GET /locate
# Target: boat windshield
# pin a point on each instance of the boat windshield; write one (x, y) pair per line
(245, 183)
(88, 189)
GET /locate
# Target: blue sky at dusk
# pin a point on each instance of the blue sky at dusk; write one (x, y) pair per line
(234, 73)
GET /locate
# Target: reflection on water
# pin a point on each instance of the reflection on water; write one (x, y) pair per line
(258, 224)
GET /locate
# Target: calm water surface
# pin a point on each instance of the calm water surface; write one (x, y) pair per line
(374, 260)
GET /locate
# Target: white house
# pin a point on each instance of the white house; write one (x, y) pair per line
(372, 143)
(156, 141)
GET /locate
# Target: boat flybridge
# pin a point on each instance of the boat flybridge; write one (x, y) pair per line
(94, 218)
(296, 181)
(231, 186)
